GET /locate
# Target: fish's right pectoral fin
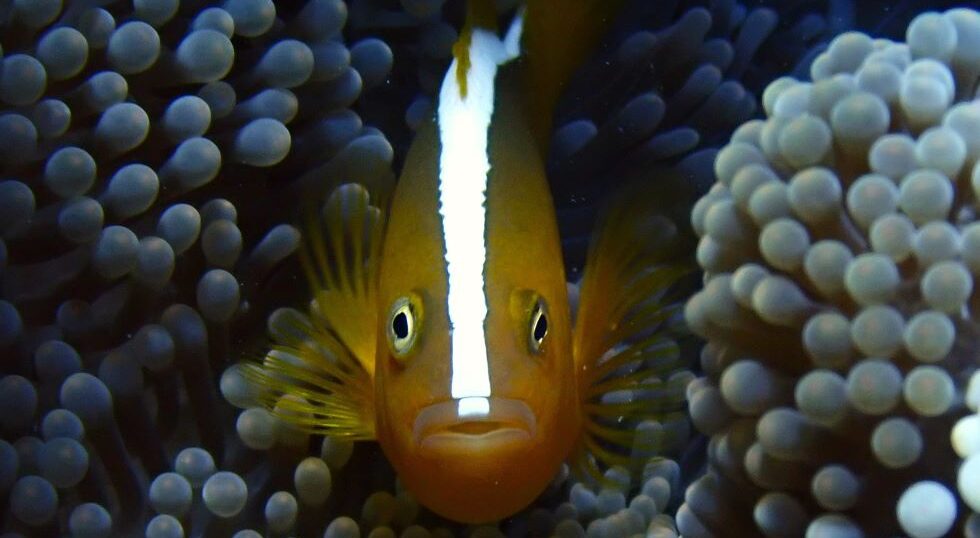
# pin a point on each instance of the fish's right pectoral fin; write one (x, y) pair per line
(319, 376)
(341, 258)
(311, 381)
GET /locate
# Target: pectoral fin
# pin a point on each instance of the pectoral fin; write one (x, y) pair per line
(342, 267)
(326, 358)
(627, 327)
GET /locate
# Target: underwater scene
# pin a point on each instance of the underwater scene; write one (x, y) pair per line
(489, 268)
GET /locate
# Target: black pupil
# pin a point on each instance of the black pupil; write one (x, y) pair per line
(400, 325)
(540, 327)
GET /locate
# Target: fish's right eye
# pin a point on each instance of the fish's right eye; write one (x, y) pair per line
(403, 326)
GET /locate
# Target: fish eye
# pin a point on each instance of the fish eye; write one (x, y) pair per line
(538, 326)
(403, 326)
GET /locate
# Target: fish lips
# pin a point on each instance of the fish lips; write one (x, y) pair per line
(474, 424)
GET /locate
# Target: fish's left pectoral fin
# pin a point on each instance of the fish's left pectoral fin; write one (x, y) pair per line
(629, 333)
(341, 258)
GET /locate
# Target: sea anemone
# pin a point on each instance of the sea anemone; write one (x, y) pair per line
(839, 245)
(152, 155)
(155, 156)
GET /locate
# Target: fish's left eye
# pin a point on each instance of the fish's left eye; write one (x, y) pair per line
(403, 326)
(539, 326)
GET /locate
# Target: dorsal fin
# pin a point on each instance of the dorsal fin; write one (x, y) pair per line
(479, 14)
(558, 37)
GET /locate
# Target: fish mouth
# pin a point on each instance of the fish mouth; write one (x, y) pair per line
(474, 423)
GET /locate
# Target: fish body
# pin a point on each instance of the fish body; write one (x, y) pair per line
(493, 458)
(441, 322)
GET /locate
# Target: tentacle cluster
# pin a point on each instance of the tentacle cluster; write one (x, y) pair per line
(153, 156)
(839, 247)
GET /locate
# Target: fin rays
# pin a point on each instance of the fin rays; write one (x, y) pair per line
(319, 375)
(627, 331)
(306, 389)
(342, 266)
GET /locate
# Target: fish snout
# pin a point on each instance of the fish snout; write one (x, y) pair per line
(474, 423)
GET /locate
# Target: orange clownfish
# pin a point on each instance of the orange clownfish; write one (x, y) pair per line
(440, 323)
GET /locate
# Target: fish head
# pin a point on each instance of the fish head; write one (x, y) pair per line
(475, 385)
